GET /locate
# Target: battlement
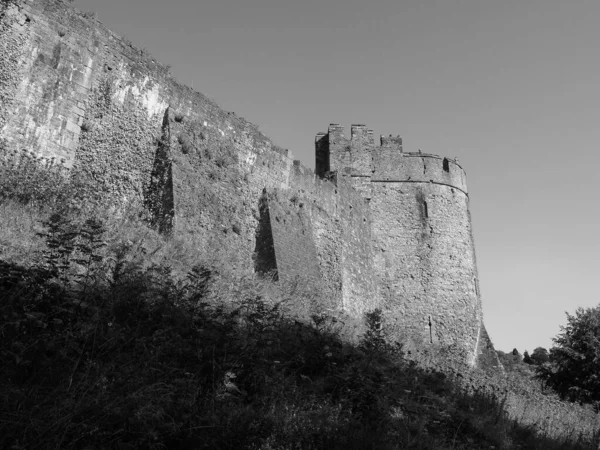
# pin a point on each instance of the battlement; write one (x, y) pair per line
(360, 133)
(360, 159)
(419, 168)
(334, 152)
(390, 141)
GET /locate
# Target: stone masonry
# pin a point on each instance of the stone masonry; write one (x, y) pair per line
(370, 227)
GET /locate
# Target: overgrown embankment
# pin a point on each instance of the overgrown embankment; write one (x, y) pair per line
(115, 337)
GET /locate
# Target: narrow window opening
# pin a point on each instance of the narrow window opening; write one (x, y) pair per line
(430, 331)
(446, 165)
(476, 287)
(425, 210)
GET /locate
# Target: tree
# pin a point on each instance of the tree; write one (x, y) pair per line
(526, 358)
(510, 360)
(575, 370)
(540, 356)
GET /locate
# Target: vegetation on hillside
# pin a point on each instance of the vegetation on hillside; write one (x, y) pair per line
(113, 336)
(574, 371)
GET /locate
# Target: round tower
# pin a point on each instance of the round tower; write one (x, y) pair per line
(422, 243)
(424, 250)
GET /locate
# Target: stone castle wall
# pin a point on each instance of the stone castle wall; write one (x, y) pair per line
(76, 94)
(375, 227)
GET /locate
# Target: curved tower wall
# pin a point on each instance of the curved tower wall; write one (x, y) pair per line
(422, 243)
(424, 253)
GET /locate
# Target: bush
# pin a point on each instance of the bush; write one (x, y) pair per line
(575, 370)
(540, 356)
(187, 146)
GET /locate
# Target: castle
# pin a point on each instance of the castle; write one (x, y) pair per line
(371, 227)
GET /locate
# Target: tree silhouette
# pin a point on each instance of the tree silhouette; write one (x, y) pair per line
(540, 356)
(575, 370)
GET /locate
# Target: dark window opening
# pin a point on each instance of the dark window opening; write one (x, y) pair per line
(425, 210)
(446, 165)
(430, 331)
(476, 287)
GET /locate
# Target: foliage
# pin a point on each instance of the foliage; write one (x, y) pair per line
(575, 370)
(89, 15)
(42, 184)
(511, 360)
(540, 356)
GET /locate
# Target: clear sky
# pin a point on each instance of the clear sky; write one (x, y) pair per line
(510, 87)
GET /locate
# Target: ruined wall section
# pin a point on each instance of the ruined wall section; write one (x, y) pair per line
(119, 139)
(46, 79)
(320, 199)
(90, 100)
(340, 231)
(486, 357)
(218, 181)
(14, 36)
(293, 241)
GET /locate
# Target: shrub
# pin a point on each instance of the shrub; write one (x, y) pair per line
(91, 15)
(86, 126)
(574, 372)
(186, 143)
(540, 356)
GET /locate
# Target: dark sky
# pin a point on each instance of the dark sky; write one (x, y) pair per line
(509, 87)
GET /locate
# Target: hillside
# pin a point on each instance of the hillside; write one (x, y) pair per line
(117, 337)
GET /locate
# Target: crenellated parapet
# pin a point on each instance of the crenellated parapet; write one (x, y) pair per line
(348, 157)
(359, 157)
(417, 168)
